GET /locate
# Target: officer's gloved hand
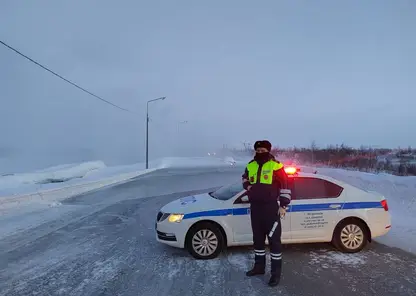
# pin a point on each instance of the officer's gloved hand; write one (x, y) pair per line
(286, 193)
(285, 198)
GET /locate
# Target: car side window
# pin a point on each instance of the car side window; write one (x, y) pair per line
(243, 199)
(314, 188)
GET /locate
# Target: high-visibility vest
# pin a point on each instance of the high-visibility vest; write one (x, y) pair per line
(266, 175)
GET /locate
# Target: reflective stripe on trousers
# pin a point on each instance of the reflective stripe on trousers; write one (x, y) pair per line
(260, 252)
(276, 256)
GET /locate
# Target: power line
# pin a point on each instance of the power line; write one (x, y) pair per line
(59, 76)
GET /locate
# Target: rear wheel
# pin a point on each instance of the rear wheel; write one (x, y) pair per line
(350, 236)
(205, 241)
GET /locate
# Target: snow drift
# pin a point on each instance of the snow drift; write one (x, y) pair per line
(55, 174)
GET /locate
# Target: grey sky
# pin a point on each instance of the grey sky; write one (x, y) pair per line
(289, 71)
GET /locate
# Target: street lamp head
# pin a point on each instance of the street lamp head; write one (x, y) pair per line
(161, 98)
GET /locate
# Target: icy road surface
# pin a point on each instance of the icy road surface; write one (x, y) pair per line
(107, 247)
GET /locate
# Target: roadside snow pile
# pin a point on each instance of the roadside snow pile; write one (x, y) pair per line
(33, 190)
(56, 174)
(401, 197)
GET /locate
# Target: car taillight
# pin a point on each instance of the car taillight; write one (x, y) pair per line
(385, 205)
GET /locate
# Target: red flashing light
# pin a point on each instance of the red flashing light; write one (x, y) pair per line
(291, 170)
(385, 205)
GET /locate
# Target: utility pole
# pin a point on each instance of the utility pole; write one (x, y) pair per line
(147, 129)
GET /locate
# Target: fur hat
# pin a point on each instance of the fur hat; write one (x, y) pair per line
(263, 144)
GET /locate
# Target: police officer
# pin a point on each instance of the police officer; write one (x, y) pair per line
(266, 183)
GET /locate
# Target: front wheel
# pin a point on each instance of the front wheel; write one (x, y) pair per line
(205, 241)
(351, 236)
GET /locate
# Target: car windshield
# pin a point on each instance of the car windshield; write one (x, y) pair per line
(228, 191)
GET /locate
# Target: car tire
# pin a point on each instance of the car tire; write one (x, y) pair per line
(350, 236)
(205, 241)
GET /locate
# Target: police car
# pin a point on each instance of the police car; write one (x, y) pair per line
(322, 209)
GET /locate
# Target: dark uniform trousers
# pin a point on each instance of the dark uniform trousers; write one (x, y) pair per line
(265, 222)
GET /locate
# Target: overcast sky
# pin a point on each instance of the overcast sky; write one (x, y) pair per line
(288, 71)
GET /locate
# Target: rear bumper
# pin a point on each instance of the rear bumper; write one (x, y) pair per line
(380, 231)
(381, 227)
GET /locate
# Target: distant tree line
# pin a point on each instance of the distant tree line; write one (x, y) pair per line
(401, 162)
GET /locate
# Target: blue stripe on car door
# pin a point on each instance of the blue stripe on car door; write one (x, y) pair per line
(292, 209)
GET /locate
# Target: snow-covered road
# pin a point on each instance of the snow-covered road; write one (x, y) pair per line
(104, 244)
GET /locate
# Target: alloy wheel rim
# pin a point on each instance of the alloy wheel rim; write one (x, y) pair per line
(352, 236)
(205, 242)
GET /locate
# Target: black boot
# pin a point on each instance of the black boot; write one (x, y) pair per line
(276, 271)
(259, 266)
(274, 280)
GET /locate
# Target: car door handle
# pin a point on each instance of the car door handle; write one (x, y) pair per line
(335, 206)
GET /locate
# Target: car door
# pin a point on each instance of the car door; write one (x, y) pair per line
(242, 221)
(315, 207)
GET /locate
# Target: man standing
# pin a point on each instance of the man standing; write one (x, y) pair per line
(266, 183)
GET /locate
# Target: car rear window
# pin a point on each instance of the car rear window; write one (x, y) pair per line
(314, 188)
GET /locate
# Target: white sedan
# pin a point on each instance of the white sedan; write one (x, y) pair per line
(322, 210)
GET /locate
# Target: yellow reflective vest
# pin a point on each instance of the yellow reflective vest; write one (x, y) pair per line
(266, 174)
(265, 188)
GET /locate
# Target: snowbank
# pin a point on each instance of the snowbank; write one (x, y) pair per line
(56, 174)
(401, 196)
(52, 185)
(58, 177)
(53, 194)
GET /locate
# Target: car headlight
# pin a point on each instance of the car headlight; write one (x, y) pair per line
(175, 218)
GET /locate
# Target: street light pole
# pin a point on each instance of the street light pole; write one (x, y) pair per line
(147, 129)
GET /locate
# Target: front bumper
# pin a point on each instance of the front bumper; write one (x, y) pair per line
(170, 237)
(172, 234)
